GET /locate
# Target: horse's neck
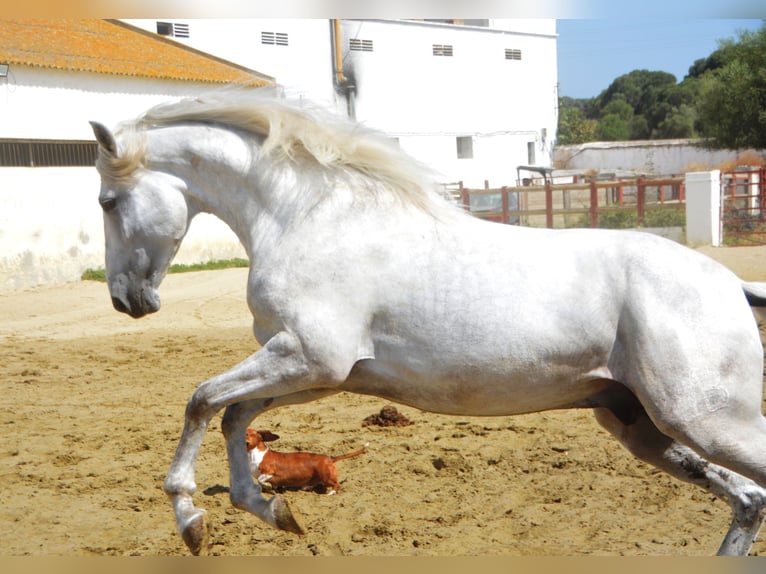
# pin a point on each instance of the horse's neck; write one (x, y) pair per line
(223, 183)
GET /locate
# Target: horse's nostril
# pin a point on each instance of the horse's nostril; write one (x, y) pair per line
(120, 306)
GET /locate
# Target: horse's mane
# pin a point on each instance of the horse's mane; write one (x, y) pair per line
(295, 131)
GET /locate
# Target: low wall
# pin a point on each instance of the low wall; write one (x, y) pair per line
(650, 157)
(51, 228)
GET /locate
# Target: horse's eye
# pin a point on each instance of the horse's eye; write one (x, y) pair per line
(107, 203)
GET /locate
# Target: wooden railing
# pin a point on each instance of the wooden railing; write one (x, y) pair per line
(572, 204)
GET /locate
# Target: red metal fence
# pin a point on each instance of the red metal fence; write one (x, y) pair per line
(743, 206)
(641, 202)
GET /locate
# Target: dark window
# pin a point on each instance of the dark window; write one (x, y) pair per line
(464, 147)
(47, 153)
(173, 29)
(512, 54)
(442, 50)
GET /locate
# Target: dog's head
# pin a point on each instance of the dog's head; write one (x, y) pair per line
(255, 437)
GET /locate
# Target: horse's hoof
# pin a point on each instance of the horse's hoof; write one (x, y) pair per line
(195, 535)
(283, 516)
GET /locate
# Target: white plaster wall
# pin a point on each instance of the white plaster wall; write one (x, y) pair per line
(54, 104)
(407, 92)
(303, 67)
(50, 222)
(51, 228)
(660, 157)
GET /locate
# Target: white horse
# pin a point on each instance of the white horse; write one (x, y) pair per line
(364, 278)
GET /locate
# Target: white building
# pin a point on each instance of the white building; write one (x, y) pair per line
(55, 76)
(472, 98)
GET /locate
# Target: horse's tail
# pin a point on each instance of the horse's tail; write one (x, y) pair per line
(351, 454)
(755, 293)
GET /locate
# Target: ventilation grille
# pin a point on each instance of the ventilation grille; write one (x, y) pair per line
(360, 45)
(173, 29)
(44, 153)
(442, 49)
(512, 54)
(274, 38)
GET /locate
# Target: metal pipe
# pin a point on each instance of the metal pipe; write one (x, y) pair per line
(338, 52)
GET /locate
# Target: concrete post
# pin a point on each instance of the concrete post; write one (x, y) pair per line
(703, 208)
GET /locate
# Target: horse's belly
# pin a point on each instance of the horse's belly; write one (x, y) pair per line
(474, 391)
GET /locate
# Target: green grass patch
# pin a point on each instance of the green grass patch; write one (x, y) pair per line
(100, 274)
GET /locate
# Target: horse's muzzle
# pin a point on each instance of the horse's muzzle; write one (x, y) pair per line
(136, 303)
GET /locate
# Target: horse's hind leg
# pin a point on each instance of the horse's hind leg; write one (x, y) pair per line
(626, 419)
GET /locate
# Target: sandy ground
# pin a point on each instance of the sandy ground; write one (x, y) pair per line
(92, 407)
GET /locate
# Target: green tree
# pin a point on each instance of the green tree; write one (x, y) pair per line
(612, 127)
(679, 123)
(574, 127)
(732, 103)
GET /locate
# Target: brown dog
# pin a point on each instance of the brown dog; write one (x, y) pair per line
(304, 470)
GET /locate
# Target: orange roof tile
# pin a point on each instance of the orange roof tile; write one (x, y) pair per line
(114, 47)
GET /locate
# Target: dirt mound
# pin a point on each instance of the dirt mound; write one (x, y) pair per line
(388, 416)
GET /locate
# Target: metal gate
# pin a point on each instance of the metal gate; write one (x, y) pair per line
(743, 206)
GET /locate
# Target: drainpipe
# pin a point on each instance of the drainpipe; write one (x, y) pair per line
(341, 81)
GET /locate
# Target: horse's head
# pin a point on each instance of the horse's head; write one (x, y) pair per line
(145, 217)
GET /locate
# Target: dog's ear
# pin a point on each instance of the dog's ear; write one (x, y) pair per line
(267, 436)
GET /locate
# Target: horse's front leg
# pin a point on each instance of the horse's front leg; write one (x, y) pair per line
(244, 492)
(279, 368)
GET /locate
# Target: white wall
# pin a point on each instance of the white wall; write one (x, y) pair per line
(55, 104)
(426, 101)
(51, 228)
(652, 157)
(50, 222)
(303, 67)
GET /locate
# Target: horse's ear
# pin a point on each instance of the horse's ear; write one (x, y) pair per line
(104, 137)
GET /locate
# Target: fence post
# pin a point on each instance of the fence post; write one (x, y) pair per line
(465, 197)
(593, 203)
(504, 200)
(641, 199)
(548, 205)
(703, 208)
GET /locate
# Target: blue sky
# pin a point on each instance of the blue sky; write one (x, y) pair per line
(593, 52)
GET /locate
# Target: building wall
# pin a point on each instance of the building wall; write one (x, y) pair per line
(427, 101)
(57, 104)
(303, 67)
(402, 89)
(51, 228)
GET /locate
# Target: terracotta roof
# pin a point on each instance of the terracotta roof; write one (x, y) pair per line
(114, 47)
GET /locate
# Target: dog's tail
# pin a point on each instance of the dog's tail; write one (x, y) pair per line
(351, 454)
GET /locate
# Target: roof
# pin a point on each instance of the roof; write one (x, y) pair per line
(115, 48)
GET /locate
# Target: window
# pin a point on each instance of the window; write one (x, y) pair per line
(442, 50)
(358, 45)
(274, 38)
(464, 147)
(531, 153)
(173, 29)
(47, 153)
(512, 54)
